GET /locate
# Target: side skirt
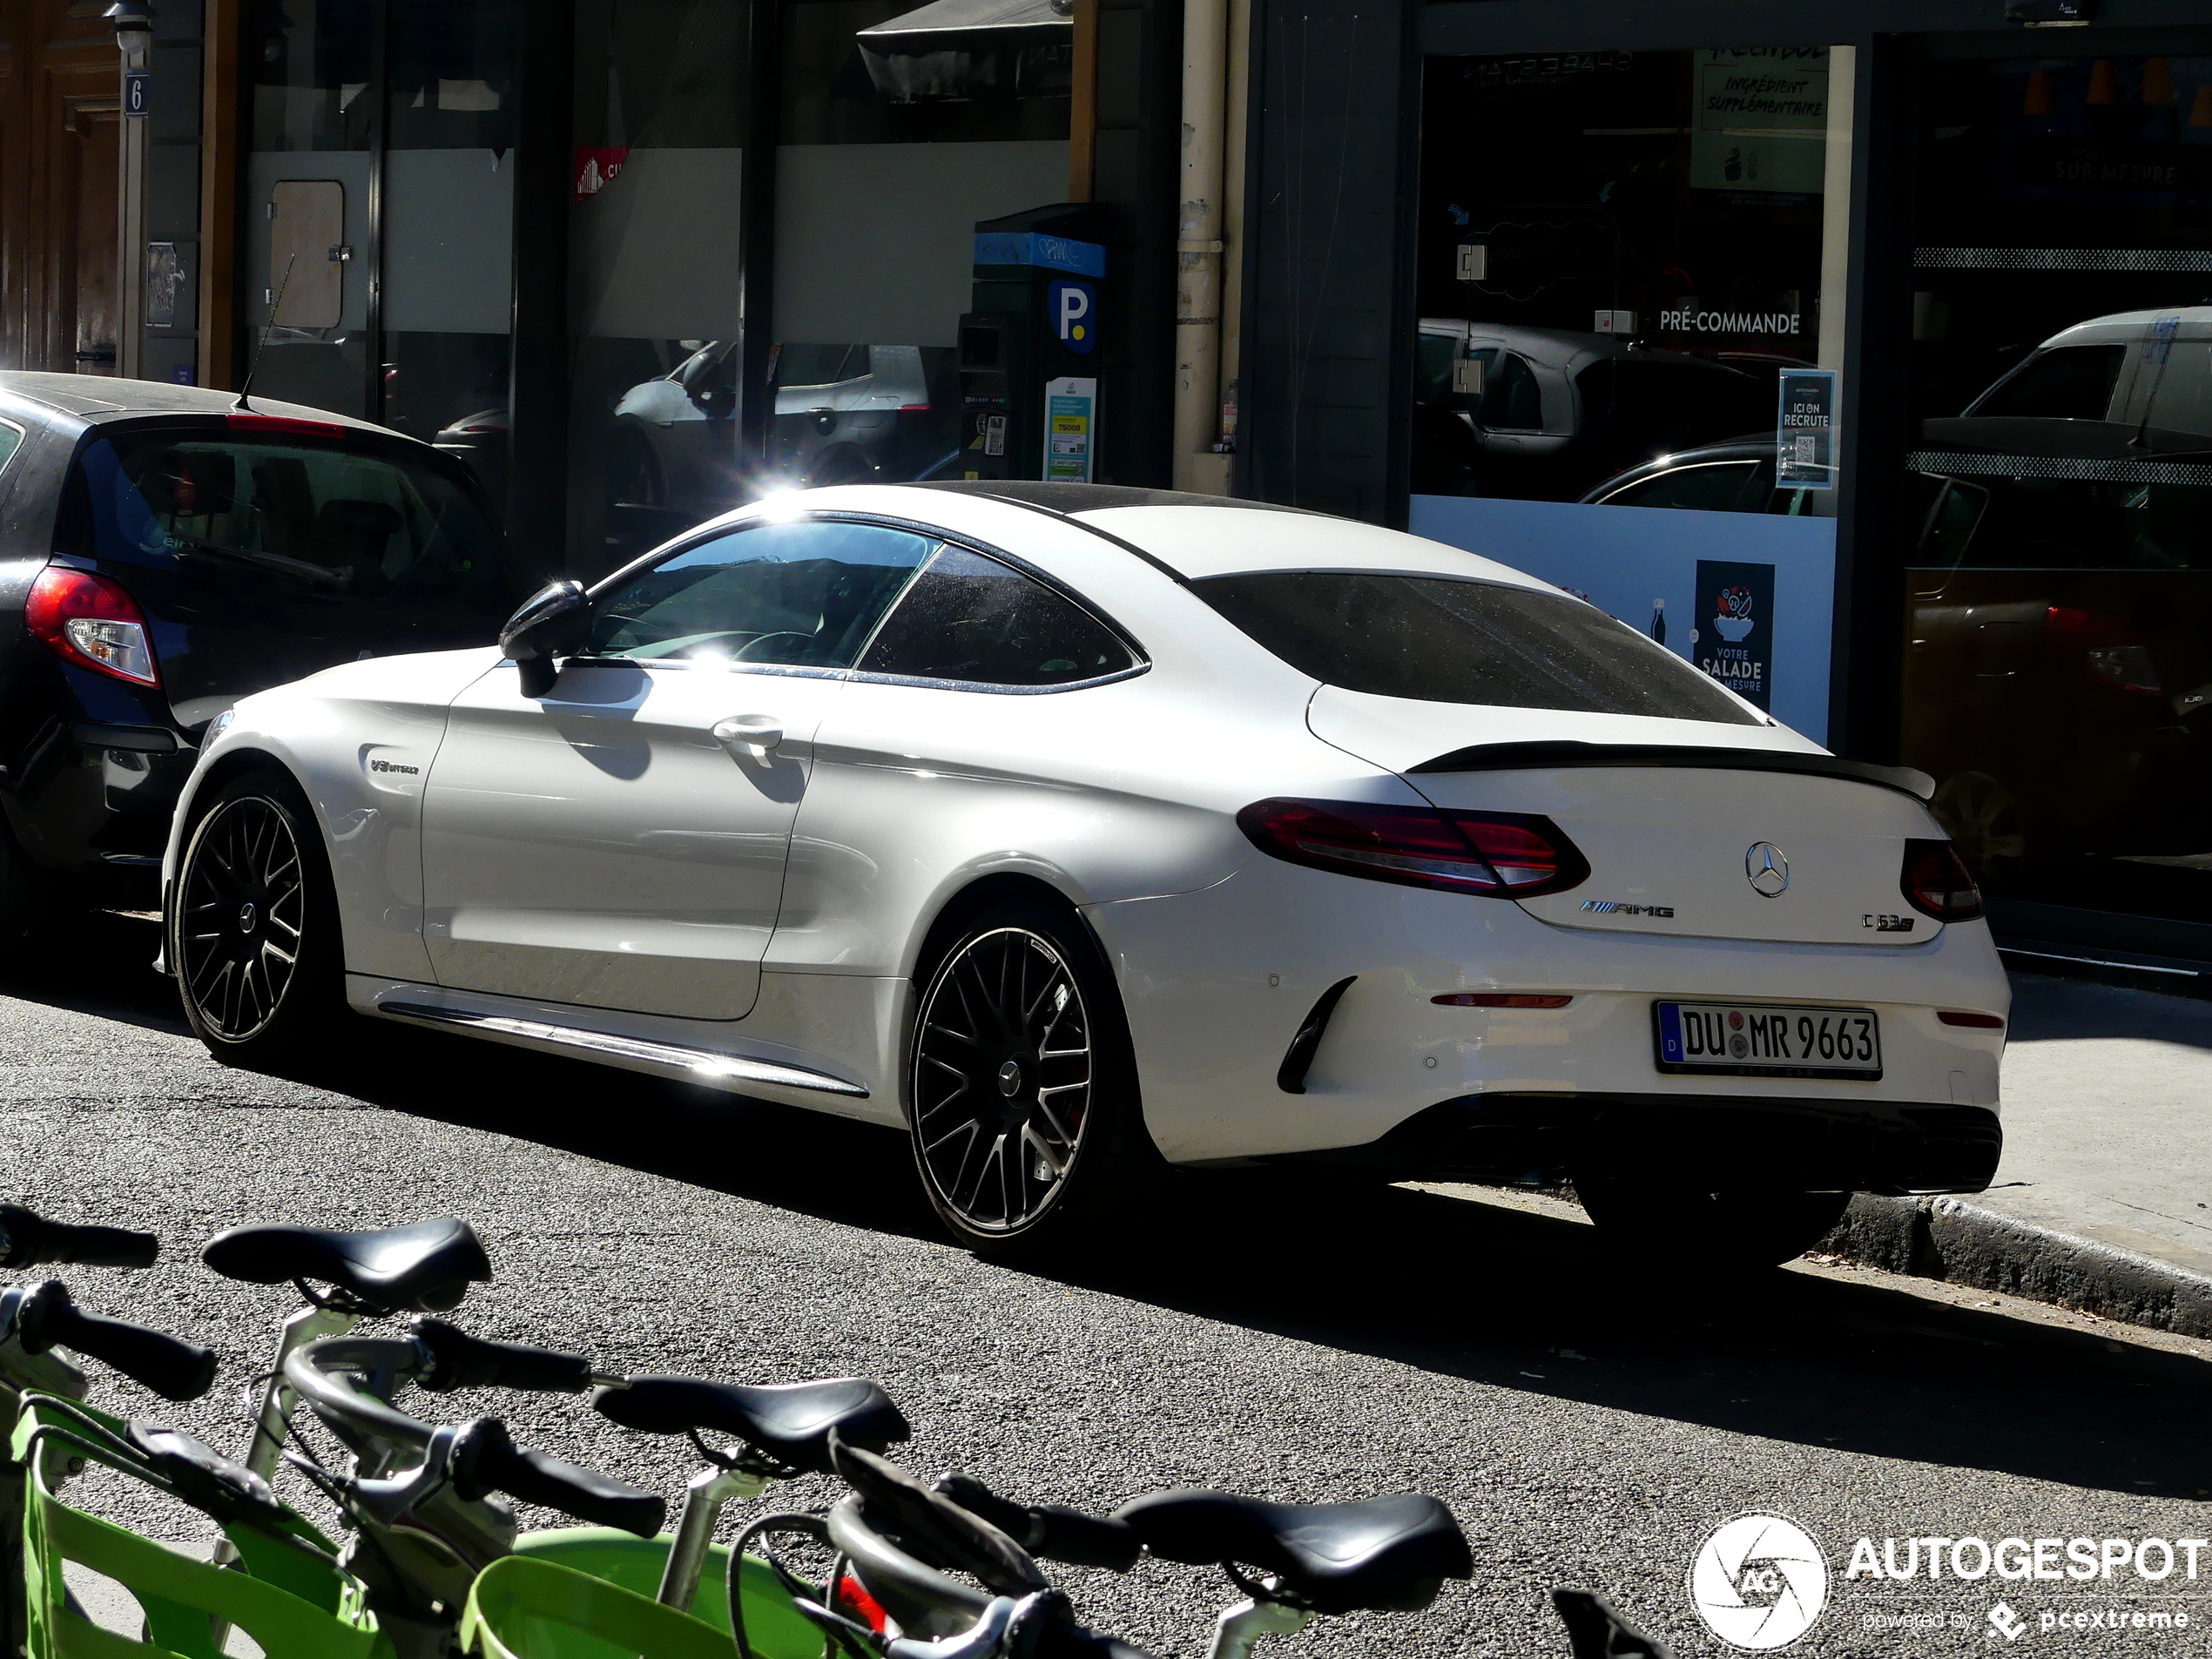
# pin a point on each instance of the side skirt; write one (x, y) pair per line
(688, 1064)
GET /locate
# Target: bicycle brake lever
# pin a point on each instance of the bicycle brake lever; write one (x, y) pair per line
(391, 1499)
(982, 1640)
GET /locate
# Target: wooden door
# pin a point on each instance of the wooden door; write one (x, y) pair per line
(82, 220)
(60, 132)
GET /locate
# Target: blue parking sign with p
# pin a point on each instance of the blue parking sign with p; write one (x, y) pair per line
(1073, 308)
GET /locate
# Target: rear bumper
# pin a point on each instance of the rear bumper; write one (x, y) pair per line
(1743, 1144)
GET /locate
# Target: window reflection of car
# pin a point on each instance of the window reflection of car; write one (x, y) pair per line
(2057, 673)
(2137, 382)
(844, 415)
(1543, 413)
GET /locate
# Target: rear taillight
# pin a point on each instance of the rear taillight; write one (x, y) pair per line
(1937, 884)
(2112, 653)
(1494, 855)
(1500, 1000)
(253, 420)
(91, 622)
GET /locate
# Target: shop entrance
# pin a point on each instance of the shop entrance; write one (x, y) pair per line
(1621, 263)
(2057, 676)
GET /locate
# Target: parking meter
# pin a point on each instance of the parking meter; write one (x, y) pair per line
(1029, 351)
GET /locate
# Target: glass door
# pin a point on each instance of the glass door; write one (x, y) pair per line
(2058, 617)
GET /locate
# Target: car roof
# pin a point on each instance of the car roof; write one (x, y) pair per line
(2191, 322)
(92, 400)
(1194, 537)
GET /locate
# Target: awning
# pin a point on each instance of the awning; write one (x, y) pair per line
(967, 49)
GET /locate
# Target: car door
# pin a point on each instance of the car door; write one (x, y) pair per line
(620, 843)
(981, 671)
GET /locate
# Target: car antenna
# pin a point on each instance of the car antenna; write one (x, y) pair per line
(262, 343)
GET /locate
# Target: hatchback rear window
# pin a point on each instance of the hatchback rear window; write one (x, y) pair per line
(312, 516)
(1441, 640)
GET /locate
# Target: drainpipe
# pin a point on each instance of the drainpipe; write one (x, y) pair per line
(132, 21)
(1233, 225)
(1198, 249)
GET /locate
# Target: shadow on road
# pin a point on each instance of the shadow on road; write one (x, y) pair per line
(1482, 1291)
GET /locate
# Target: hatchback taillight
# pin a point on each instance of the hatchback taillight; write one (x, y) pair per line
(1936, 882)
(91, 622)
(1494, 855)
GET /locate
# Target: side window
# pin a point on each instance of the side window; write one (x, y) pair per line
(2072, 383)
(971, 618)
(1716, 488)
(10, 441)
(803, 595)
(1949, 529)
(1512, 401)
(320, 518)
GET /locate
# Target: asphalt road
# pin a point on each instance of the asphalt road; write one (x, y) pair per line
(1588, 1425)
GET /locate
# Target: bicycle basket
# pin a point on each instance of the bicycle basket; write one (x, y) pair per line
(774, 1628)
(292, 1602)
(522, 1607)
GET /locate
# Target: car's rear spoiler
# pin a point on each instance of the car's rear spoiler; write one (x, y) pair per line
(1529, 757)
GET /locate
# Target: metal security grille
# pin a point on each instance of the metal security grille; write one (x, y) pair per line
(1946, 464)
(2062, 259)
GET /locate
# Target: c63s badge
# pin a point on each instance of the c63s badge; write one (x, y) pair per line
(1613, 907)
(1887, 924)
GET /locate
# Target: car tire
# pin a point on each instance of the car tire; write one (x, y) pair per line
(1675, 1227)
(252, 925)
(1022, 1096)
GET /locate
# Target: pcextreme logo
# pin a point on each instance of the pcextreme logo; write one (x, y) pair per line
(1759, 1581)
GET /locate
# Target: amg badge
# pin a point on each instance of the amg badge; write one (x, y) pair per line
(1613, 907)
(1887, 924)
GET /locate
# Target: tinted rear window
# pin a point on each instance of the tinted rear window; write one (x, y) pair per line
(1440, 640)
(303, 515)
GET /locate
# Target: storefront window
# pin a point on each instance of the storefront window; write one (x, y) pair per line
(449, 220)
(304, 288)
(1621, 259)
(653, 276)
(2057, 627)
(935, 117)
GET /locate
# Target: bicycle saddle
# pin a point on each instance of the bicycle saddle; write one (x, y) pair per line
(790, 1422)
(425, 1268)
(1391, 1553)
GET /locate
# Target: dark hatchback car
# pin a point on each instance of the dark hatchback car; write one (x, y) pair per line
(162, 555)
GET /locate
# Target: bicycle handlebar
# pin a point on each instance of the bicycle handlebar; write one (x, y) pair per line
(317, 1371)
(46, 1317)
(28, 1239)
(1050, 1531)
(459, 1360)
(485, 1460)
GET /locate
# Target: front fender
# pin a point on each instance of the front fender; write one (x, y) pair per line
(358, 740)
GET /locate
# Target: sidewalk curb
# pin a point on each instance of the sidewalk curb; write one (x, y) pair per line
(1962, 1243)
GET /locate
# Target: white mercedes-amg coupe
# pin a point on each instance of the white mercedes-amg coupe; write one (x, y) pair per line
(1079, 830)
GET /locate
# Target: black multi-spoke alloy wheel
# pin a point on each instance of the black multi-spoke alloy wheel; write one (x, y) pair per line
(1021, 1091)
(252, 924)
(1668, 1227)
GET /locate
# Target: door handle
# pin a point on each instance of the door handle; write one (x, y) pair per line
(756, 733)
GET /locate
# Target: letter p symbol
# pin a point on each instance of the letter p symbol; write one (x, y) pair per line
(1073, 308)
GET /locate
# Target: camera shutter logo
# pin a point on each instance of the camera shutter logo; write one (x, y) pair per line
(1759, 1581)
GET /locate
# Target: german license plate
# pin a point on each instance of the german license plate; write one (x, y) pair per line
(1768, 1040)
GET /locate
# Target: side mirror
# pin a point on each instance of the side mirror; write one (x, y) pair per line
(553, 622)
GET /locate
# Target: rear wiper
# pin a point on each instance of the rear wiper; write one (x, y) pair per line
(282, 563)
